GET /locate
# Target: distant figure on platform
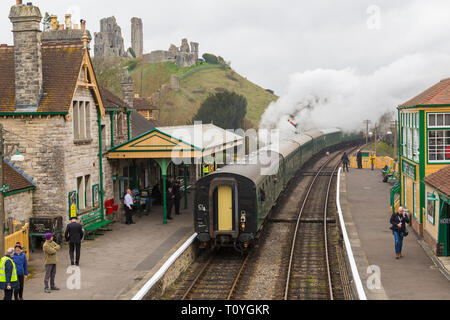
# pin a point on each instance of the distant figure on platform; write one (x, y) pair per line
(345, 161)
(50, 249)
(156, 195)
(177, 194)
(74, 235)
(170, 197)
(128, 204)
(8, 275)
(398, 222)
(359, 159)
(20, 260)
(373, 159)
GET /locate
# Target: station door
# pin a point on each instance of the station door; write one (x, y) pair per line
(225, 208)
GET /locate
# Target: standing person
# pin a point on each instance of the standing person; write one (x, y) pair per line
(177, 194)
(20, 260)
(398, 222)
(359, 159)
(128, 202)
(372, 159)
(345, 161)
(156, 194)
(74, 234)
(8, 274)
(170, 201)
(51, 249)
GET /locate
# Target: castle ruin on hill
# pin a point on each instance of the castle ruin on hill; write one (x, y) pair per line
(109, 43)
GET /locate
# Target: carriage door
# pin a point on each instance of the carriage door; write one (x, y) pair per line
(225, 208)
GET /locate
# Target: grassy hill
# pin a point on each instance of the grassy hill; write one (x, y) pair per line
(196, 83)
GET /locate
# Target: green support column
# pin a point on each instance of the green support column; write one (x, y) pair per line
(100, 158)
(111, 115)
(128, 125)
(185, 188)
(164, 165)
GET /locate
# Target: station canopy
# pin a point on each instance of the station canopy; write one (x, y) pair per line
(195, 141)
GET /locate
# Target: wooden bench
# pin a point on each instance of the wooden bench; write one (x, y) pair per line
(94, 223)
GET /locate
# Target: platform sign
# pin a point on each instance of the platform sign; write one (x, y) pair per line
(445, 221)
(409, 170)
(72, 204)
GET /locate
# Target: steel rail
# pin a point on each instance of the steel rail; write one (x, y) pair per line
(291, 259)
(194, 283)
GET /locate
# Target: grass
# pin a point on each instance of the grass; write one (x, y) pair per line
(382, 149)
(196, 83)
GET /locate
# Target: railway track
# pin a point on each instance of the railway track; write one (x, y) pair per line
(217, 278)
(316, 268)
(225, 275)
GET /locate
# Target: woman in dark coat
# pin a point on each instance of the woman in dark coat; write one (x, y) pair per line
(398, 222)
(20, 260)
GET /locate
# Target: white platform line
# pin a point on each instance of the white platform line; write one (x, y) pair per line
(348, 246)
(158, 275)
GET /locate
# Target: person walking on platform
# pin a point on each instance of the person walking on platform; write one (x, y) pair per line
(128, 204)
(50, 249)
(359, 159)
(8, 275)
(177, 194)
(170, 197)
(74, 235)
(345, 161)
(20, 260)
(398, 222)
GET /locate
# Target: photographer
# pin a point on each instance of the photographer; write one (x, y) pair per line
(398, 222)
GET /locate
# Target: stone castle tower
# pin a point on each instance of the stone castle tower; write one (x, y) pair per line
(109, 41)
(137, 36)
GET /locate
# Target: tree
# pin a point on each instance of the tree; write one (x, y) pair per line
(47, 22)
(210, 58)
(226, 110)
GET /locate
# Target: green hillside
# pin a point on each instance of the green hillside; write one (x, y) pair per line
(196, 83)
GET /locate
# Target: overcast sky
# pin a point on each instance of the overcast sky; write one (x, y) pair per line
(269, 41)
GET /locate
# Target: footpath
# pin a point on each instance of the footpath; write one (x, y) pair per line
(115, 263)
(365, 205)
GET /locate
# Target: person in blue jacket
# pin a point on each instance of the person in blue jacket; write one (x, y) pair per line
(20, 260)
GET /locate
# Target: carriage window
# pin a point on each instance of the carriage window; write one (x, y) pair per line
(262, 195)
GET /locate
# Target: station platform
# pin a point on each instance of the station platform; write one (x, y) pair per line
(418, 275)
(115, 263)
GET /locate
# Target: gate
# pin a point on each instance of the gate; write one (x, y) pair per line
(20, 236)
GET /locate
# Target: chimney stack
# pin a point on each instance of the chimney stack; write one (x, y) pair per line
(54, 22)
(26, 21)
(68, 21)
(127, 87)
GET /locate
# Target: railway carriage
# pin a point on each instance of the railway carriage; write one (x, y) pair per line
(232, 204)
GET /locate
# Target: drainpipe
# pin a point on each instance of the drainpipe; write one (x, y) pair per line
(111, 115)
(100, 158)
(128, 124)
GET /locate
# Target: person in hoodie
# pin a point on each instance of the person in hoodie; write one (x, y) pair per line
(50, 249)
(8, 275)
(20, 260)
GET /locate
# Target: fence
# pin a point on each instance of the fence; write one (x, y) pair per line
(20, 236)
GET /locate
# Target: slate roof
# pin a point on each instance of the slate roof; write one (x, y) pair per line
(110, 100)
(439, 94)
(16, 180)
(140, 125)
(143, 104)
(61, 66)
(440, 180)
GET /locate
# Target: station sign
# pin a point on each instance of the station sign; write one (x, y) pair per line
(409, 169)
(445, 221)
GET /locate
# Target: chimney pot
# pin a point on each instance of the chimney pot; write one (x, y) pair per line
(54, 22)
(61, 27)
(68, 21)
(75, 26)
(83, 24)
(18, 2)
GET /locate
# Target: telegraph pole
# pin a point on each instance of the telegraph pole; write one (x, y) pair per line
(394, 129)
(367, 123)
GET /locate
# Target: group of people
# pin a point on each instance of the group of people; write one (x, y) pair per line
(14, 265)
(359, 159)
(173, 199)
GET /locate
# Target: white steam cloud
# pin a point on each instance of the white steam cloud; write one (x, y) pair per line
(345, 98)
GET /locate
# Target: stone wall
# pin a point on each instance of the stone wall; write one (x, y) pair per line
(184, 56)
(19, 206)
(109, 41)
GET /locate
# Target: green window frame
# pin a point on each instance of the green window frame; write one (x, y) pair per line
(431, 209)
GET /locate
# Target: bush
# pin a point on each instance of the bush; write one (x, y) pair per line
(210, 58)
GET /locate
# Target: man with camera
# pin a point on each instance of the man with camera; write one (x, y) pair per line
(398, 222)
